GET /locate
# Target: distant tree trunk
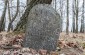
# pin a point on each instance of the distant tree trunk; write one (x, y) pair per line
(2, 23)
(23, 20)
(9, 16)
(76, 16)
(61, 11)
(10, 23)
(67, 27)
(73, 7)
(82, 19)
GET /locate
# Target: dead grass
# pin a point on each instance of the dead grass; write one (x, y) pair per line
(72, 44)
(76, 39)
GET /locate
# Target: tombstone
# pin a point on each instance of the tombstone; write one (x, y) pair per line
(43, 28)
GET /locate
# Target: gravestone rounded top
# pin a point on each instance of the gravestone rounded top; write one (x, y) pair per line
(43, 28)
(43, 12)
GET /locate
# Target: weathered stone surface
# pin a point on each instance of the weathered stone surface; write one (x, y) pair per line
(43, 28)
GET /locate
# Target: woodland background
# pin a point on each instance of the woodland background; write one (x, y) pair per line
(14, 14)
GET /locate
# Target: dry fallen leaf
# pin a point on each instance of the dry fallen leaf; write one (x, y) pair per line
(54, 53)
(43, 52)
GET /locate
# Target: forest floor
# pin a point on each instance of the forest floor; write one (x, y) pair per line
(72, 44)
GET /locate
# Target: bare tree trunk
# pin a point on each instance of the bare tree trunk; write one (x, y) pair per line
(9, 12)
(73, 6)
(67, 27)
(10, 24)
(76, 16)
(61, 11)
(82, 19)
(23, 20)
(2, 23)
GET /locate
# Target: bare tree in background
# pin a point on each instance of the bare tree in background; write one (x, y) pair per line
(9, 15)
(2, 23)
(61, 11)
(11, 20)
(73, 9)
(76, 15)
(67, 24)
(82, 19)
